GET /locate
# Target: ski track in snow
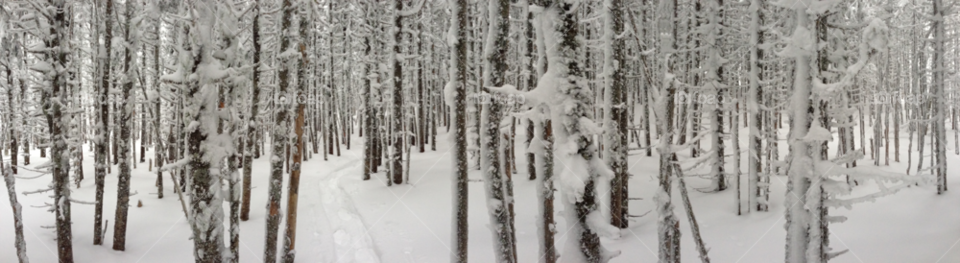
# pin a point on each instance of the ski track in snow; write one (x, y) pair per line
(351, 242)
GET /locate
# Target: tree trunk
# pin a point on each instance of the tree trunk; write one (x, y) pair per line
(17, 218)
(252, 120)
(279, 140)
(56, 84)
(667, 225)
(103, 125)
(754, 167)
(939, 107)
(458, 85)
(498, 202)
(124, 118)
(615, 113)
(293, 189)
(396, 156)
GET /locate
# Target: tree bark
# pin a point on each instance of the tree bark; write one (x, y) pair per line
(124, 119)
(279, 139)
(21, 245)
(103, 125)
(253, 122)
(458, 84)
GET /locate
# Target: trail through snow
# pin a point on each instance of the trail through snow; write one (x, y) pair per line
(351, 241)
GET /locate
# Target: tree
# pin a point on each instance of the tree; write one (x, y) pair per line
(279, 140)
(17, 218)
(205, 149)
(753, 110)
(102, 127)
(563, 89)
(668, 227)
(456, 96)
(293, 190)
(55, 65)
(252, 117)
(369, 113)
(396, 123)
(939, 85)
(615, 112)
(498, 199)
(131, 35)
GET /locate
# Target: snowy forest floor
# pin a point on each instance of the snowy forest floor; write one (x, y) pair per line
(345, 219)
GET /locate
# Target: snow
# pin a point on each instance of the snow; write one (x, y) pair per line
(410, 222)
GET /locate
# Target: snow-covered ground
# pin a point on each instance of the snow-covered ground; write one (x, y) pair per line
(345, 219)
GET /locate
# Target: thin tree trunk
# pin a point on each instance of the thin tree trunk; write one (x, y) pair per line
(252, 119)
(103, 126)
(458, 83)
(279, 142)
(17, 218)
(124, 119)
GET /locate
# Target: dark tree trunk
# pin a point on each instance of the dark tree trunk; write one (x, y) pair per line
(397, 140)
(124, 116)
(103, 126)
(293, 189)
(458, 57)
(616, 141)
(252, 119)
(279, 141)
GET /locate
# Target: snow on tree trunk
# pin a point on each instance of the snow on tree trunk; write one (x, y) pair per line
(753, 110)
(563, 89)
(206, 148)
(713, 69)
(939, 107)
(55, 65)
(293, 189)
(369, 113)
(280, 140)
(798, 217)
(131, 35)
(17, 218)
(232, 93)
(668, 227)
(252, 121)
(542, 148)
(455, 95)
(615, 112)
(498, 201)
(102, 129)
(528, 38)
(396, 112)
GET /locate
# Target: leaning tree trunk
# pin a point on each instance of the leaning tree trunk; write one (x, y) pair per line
(17, 218)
